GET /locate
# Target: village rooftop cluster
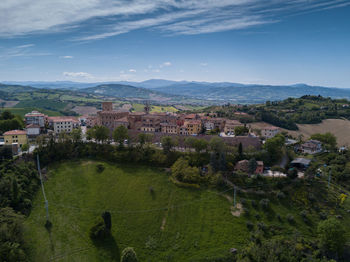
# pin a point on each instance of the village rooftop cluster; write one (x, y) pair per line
(201, 125)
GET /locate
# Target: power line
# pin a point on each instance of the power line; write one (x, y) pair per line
(43, 189)
(167, 207)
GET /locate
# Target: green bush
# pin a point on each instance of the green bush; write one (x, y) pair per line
(254, 204)
(264, 203)
(100, 168)
(129, 255)
(250, 225)
(290, 218)
(281, 195)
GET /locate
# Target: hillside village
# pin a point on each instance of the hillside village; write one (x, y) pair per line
(266, 183)
(196, 125)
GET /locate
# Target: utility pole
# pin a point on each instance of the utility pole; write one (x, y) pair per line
(43, 189)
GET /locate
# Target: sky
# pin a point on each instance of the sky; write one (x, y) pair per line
(242, 41)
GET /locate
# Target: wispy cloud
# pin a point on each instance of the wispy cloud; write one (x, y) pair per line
(67, 57)
(20, 51)
(132, 70)
(165, 64)
(97, 19)
(78, 75)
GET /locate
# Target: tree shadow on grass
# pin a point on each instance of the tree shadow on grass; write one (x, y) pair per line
(107, 248)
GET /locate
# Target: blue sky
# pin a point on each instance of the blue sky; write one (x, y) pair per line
(246, 41)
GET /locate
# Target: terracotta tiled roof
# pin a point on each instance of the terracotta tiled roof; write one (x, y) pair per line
(15, 132)
(62, 118)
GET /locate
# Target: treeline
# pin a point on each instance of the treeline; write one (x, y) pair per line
(18, 184)
(276, 120)
(9, 121)
(289, 112)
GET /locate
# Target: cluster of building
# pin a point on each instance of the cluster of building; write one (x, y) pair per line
(168, 123)
(36, 124)
(159, 123)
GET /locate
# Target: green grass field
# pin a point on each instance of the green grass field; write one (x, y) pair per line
(173, 224)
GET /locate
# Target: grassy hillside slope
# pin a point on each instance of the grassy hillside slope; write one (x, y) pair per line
(171, 224)
(197, 224)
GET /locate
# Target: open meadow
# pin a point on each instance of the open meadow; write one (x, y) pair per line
(171, 224)
(162, 221)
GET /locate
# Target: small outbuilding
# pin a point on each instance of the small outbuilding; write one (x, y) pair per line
(300, 163)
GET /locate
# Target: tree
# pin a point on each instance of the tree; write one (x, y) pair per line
(200, 145)
(241, 130)
(182, 171)
(128, 255)
(25, 147)
(11, 235)
(76, 135)
(328, 139)
(90, 134)
(189, 141)
(101, 133)
(252, 165)
(217, 145)
(332, 235)
(167, 143)
(144, 138)
(102, 227)
(274, 147)
(120, 134)
(6, 115)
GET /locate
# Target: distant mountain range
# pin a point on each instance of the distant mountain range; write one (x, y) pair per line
(219, 92)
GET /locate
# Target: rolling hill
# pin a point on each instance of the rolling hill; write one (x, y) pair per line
(160, 90)
(239, 93)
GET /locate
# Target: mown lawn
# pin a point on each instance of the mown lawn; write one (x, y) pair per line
(173, 224)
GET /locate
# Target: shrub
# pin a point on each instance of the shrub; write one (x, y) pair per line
(246, 211)
(311, 197)
(262, 226)
(250, 225)
(323, 215)
(254, 204)
(264, 203)
(243, 201)
(102, 228)
(257, 216)
(281, 195)
(332, 235)
(128, 255)
(279, 217)
(303, 214)
(290, 218)
(100, 168)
